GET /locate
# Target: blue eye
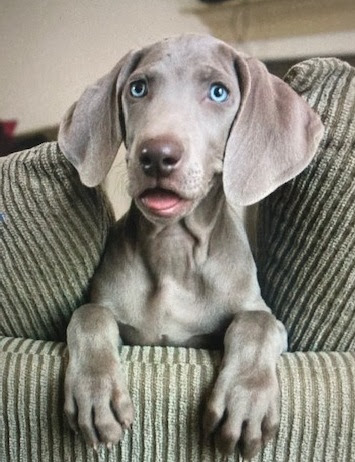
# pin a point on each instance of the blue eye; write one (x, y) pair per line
(138, 89)
(218, 93)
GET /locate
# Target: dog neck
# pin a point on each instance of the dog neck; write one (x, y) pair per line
(183, 245)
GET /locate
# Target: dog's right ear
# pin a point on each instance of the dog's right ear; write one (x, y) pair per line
(90, 132)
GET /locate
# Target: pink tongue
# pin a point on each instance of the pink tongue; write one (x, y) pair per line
(159, 199)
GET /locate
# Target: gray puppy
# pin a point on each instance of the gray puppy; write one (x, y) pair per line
(206, 130)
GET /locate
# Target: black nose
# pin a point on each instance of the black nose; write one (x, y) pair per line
(159, 157)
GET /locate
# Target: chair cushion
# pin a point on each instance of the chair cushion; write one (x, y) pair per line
(53, 232)
(306, 258)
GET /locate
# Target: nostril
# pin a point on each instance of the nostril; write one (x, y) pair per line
(146, 161)
(169, 161)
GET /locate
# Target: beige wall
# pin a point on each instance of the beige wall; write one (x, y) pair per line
(51, 49)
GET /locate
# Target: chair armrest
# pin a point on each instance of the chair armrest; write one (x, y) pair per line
(168, 386)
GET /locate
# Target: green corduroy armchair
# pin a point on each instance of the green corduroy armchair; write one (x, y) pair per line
(52, 235)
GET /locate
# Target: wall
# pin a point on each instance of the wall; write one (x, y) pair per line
(51, 49)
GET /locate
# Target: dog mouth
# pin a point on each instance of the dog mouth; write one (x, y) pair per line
(163, 202)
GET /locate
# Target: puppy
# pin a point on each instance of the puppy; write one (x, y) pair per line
(206, 130)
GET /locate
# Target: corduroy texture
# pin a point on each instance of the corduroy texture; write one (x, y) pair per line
(52, 235)
(168, 386)
(306, 255)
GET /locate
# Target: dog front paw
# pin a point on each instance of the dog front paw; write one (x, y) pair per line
(243, 411)
(97, 400)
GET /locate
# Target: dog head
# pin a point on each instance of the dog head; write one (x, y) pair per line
(191, 109)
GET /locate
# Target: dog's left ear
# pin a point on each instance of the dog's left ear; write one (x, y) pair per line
(274, 137)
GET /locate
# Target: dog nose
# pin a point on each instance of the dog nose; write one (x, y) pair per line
(159, 157)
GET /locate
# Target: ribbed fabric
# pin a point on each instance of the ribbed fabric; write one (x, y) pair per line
(53, 232)
(52, 235)
(306, 255)
(168, 387)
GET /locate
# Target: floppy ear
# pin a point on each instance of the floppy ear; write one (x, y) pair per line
(90, 132)
(274, 136)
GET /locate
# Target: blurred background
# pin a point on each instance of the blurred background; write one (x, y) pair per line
(50, 50)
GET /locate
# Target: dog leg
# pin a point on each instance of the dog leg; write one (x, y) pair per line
(243, 408)
(96, 396)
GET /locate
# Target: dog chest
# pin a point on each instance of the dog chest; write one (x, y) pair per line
(175, 286)
(168, 310)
